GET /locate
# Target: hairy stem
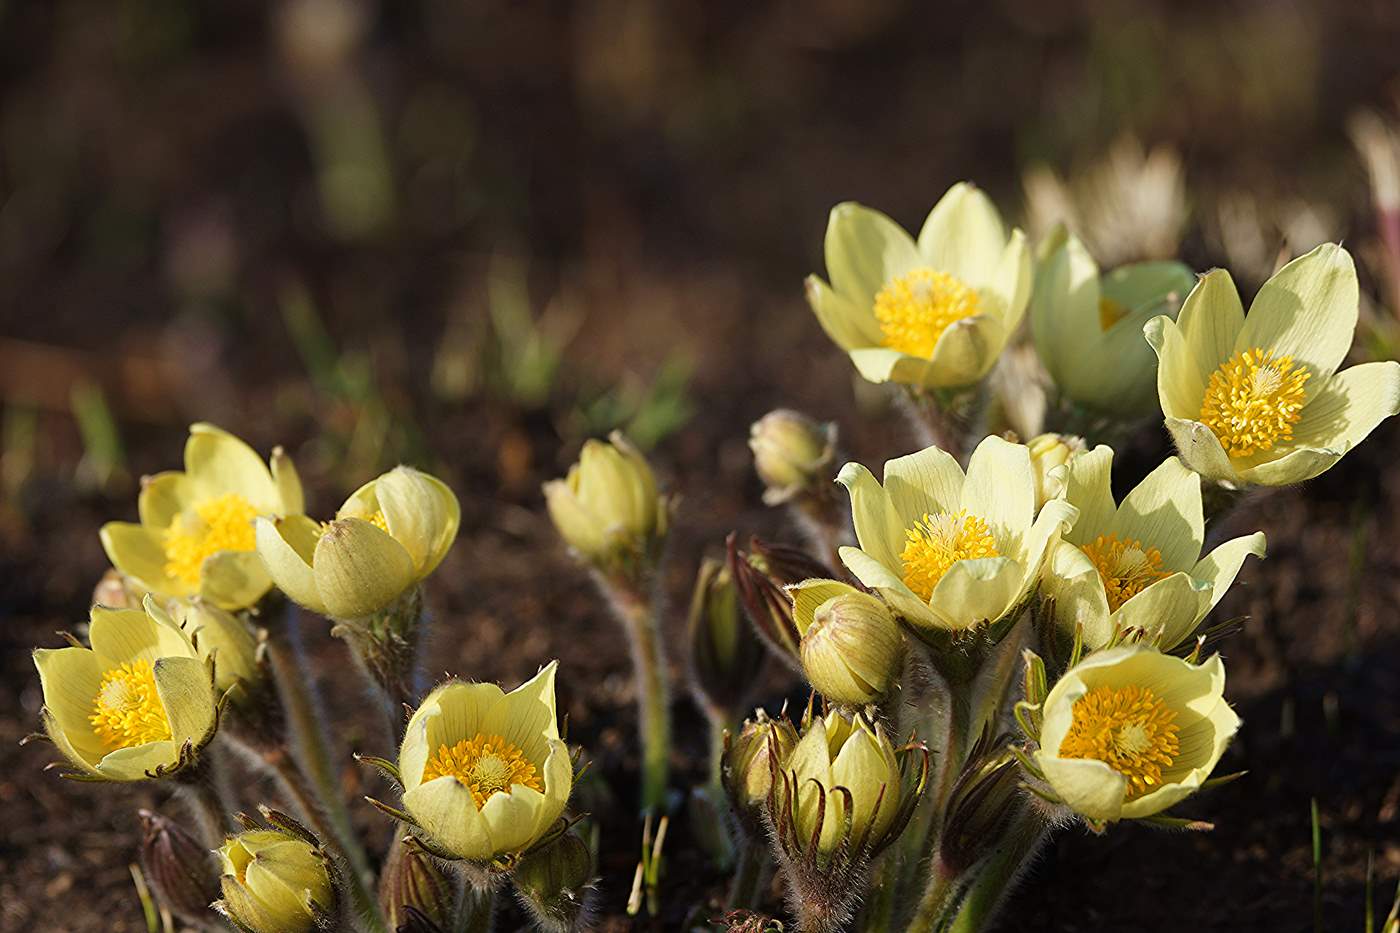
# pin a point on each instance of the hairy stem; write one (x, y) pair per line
(637, 614)
(745, 890)
(996, 878)
(198, 790)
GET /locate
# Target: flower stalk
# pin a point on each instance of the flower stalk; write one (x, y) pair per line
(633, 604)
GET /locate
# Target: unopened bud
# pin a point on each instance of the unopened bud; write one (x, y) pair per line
(115, 591)
(759, 576)
(1048, 452)
(851, 649)
(225, 638)
(725, 655)
(607, 508)
(275, 882)
(555, 884)
(183, 874)
(792, 453)
(981, 802)
(413, 889)
(750, 757)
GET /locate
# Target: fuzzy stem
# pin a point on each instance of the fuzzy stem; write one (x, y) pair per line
(478, 914)
(744, 893)
(310, 744)
(636, 613)
(939, 898)
(994, 881)
(199, 791)
(386, 648)
(824, 524)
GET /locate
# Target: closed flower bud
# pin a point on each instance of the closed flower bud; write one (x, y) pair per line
(555, 883)
(274, 882)
(115, 591)
(226, 640)
(1048, 453)
(183, 873)
(411, 878)
(725, 655)
(759, 575)
(387, 537)
(607, 507)
(793, 454)
(749, 762)
(139, 703)
(851, 646)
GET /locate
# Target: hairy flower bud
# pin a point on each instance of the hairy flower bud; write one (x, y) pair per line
(851, 646)
(792, 453)
(274, 882)
(412, 879)
(749, 761)
(607, 508)
(725, 655)
(555, 883)
(183, 874)
(1049, 451)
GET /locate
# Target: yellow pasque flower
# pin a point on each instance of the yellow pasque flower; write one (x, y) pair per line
(274, 882)
(224, 639)
(933, 313)
(851, 646)
(195, 537)
(949, 551)
(607, 507)
(1138, 565)
(837, 752)
(1258, 399)
(137, 704)
(484, 772)
(1088, 329)
(1128, 732)
(387, 537)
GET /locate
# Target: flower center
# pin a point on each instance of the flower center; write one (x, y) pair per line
(485, 765)
(128, 711)
(1110, 313)
(915, 309)
(935, 543)
(1126, 567)
(224, 523)
(1253, 400)
(1130, 729)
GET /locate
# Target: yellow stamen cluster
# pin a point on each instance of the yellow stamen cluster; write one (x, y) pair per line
(1110, 313)
(379, 521)
(915, 309)
(935, 543)
(127, 711)
(1130, 729)
(1126, 567)
(1253, 400)
(224, 523)
(485, 765)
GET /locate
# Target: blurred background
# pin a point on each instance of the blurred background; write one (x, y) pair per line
(468, 234)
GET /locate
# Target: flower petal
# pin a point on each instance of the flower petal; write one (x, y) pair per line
(1201, 451)
(809, 595)
(849, 325)
(963, 235)
(1089, 488)
(448, 814)
(1349, 408)
(1072, 580)
(219, 463)
(1000, 490)
(137, 551)
(187, 694)
(1065, 311)
(1220, 567)
(1010, 285)
(286, 547)
(359, 569)
(879, 526)
(1168, 611)
(864, 250)
(923, 483)
(1308, 311)
(1086, 785)
(1299, 464)
(1164, 512)
(163, 497)
(137, 762)
(879, 577)
(234, 580)
(292, 500)
(527, 717)
(976, 591)
(70, 678)
(422, 515)
(119, 636)
(1211, 320)
(965, 351)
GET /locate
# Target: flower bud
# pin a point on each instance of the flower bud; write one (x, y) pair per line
(748, 764)
(1048, 452)
(607, 508)
(759, 575)
(980, 803)
(555, 883)
(851, 646)
(183, 873)
(725, 655)
(792, 453)
(411, 878)
(224, 638)
(274, 882)
(115, 591)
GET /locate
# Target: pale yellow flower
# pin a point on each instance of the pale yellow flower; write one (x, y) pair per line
(1128, 732)
(1138, 565)
(484, 772)
(935, 312)
(195, 537)
(948, 550)
(836, 752)
(607, 507)
(139, 703)
(274, 882)
(387, 537)
(1088, 328)
(1258, 399)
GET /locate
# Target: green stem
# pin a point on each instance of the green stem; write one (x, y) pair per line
(995, 878)
(386, 646)
(638, 617)
(748, 875)
(478, 908)
(199, 791)
(939, 898)
(304, 717)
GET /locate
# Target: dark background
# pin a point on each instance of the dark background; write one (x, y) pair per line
(466, 235)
